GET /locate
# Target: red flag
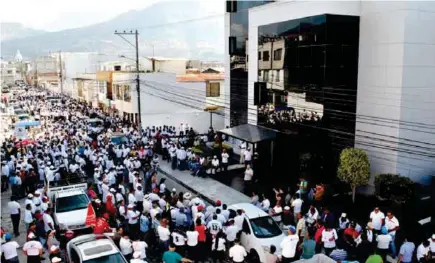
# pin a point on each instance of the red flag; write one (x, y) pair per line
(91, 219)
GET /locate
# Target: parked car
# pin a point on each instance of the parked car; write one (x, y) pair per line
(93, 249)
(259, 231)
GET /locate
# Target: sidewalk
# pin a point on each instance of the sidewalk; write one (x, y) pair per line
(206, 188)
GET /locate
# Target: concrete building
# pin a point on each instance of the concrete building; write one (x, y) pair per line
(350, 74)
(14, 71)
(46, 72)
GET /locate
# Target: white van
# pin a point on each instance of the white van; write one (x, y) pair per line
(259, 230)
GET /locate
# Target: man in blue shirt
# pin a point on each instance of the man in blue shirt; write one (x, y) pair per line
(406, 251)
(171, 256)
(144, 225)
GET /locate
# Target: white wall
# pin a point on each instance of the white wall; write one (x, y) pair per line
(171, 66)
(397, 82)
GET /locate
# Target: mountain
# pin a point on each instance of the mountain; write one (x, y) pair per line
(16, 30)
(200, 35)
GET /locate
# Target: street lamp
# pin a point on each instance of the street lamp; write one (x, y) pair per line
(211, 109)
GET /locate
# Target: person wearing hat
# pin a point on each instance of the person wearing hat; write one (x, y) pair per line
(37, 200)
(288, 246)
(383, 242)
(9, 249)
(28, 201)
(33, 249)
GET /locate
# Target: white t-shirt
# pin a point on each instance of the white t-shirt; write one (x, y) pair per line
(192, 238)
(249, 173)
(248, 155)
(220, 246)
(32, 248)
(139, 246)
(179, 239)
(231, 232)
(237, 253)
(265, 204)
(14, 207)
(326, 236)
(288, 246)
(383, 241)
(28, 218)
(132, 216)
(432, 245)
(126, 246)
(9, 249)
(238, 221)
(225, 157)
(47, 219)
(214, 226)
(422, 251)
(297, 205)
(391, 223)
(377, 219)
(164, 233)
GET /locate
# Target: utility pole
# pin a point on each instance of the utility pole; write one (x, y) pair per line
(60, 72)
(136, 46)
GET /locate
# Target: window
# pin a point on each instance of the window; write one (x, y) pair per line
(259, 55)
(213, 89)
(277, 76)
(265, 227)
(71, 203)
(277, 54)
(265, 55)
(9, 71)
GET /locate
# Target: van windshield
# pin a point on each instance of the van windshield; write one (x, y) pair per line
(70, 203)
(265, 227)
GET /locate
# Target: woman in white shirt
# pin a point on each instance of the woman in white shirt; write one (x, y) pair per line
(164, 235)
(218, 247)
(126, 247)
(329, 236)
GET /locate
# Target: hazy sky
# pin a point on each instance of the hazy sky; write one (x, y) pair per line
(54, 15)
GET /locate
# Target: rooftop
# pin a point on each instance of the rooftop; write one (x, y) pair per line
(202, 77)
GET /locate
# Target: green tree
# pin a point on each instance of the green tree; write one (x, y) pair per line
(354, 168)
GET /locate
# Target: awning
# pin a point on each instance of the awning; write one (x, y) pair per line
(250, 133)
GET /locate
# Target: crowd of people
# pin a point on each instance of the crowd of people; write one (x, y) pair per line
(287, 115)
(151, 222)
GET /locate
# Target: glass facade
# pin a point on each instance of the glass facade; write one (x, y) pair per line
(239, 24)
(310, 68)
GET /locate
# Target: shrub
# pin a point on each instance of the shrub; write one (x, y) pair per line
(394, 187)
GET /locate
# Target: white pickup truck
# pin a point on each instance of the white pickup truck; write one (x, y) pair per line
(70, 207)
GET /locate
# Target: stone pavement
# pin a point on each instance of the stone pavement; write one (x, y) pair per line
(6, 223)
(206, 188)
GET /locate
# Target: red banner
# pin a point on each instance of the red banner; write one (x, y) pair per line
(91, 219)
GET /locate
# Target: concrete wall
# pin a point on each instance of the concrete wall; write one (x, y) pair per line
(172, 66)
(396, 86)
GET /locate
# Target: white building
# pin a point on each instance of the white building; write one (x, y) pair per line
(393, 99)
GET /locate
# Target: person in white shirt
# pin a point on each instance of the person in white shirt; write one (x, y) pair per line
(214, 226)
(28, 216)
(377, 218)
(297, 207)
(133, 217)
(15, 212)
(28, 201)
(137, 258)
(288, 245)
(238, 220)
(248, 156)
(9, 249)
(179, 239)
(48, 220)
(242, 152)
(33, 249)
(237, 253)
(231, 231)
(192, 243)
(225, 157)
(214, 164)
(140, 246)
(249, 173)
(218, 247)
(383, 243)
(392, 225)
(164, 234)
(423, 251)
(329, 236)
(126, 247)
(432, 244)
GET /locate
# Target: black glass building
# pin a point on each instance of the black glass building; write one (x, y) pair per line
(308, 68)
(239, 24)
